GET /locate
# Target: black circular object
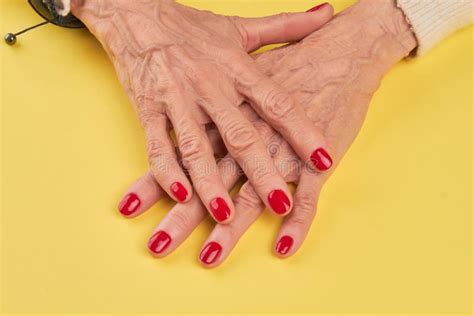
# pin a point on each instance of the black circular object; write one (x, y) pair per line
(10, 39)
(47, 10)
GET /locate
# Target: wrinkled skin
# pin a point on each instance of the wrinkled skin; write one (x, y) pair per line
(183, 68)
(333, 73)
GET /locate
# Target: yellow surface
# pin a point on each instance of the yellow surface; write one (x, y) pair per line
(393, 233)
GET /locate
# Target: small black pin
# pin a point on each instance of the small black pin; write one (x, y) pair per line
(10, 38)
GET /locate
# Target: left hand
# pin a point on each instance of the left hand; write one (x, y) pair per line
(183, 68)
(354, 51)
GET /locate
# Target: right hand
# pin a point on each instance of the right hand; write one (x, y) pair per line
(188, 67)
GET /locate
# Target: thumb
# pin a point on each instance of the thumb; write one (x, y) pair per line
(283, 27)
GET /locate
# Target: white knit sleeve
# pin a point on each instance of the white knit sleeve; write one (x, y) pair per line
(433, 20)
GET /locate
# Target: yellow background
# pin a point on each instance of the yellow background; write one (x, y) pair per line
(393, 233)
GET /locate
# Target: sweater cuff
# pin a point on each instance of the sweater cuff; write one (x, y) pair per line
(433, 20)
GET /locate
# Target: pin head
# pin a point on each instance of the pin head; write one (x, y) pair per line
(46, 9)
(10, 39)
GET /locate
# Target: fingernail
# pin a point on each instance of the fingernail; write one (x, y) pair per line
(159, 242)
(220, 209)
(129, 204)
(321, 159)
(284, 245)
(210, 253)
(279, 201)
(316, 8)
(179, 191)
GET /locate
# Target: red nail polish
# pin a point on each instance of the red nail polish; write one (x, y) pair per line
(129, 204)
(321, 159)
(159, 242)
(220, 209)
(316, 8)
(279, 202)
(284, 245)
(210, 253)
(179, 191)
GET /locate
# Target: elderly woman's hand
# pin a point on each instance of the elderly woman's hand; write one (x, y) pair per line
(354, 51)
(188, 67)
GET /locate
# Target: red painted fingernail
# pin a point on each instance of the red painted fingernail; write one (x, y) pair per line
(210, 253)
(279, 202)
(179, 191)
(220, 209)
(159, 242)
(284, 245)
(316, 8)
(129, 204)
(321, 159)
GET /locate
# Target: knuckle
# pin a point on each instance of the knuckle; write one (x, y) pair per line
(204, 100)
(244, 34)
(157, 155)
(204, 185)
(192, 148)
(195, 75)
(144, 100)
(158, 168)
(299, 220)
(181, 220)
(233, 231)
(148, 117)
(284, 16)
(278, 105)
(248, 197)
(306, 200)
(305, 209)
(267, 133)
(262, 175)
(155, 148)
(240, 137)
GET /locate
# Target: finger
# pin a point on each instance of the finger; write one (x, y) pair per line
(218, 146)
(248, 206)
(223, 238)
(279, 110)
(162, 157)
(145, 191)
(295, 227)
(198, 159)
(181, 221)
(245, 144)
(140, 196)
(283, 27)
